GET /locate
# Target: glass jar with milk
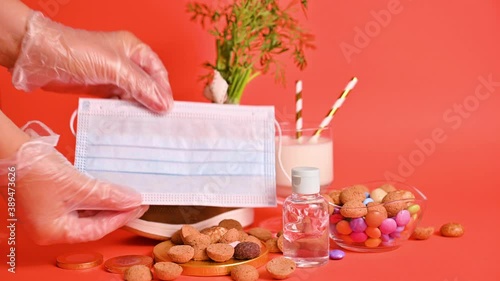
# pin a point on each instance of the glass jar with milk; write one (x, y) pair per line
(304, 150)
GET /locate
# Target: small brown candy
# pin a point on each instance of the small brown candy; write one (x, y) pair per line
(246, 251)
(452, 229)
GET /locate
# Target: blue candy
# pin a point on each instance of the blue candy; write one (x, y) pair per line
(337, 254)
(367, 200)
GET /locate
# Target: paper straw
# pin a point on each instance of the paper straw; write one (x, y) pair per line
(298, 109)
(338, 103)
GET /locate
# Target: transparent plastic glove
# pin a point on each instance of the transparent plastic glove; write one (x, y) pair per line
(58, 58)
(50, 193)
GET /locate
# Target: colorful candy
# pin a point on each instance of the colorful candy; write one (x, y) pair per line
(403, 218)
(382, 222)
(358, 225)
(336, 254)
(388, 225)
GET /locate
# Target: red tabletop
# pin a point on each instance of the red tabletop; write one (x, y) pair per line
(425, 111)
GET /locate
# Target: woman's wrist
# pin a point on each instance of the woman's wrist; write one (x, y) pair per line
(13, 18)
(12, 137)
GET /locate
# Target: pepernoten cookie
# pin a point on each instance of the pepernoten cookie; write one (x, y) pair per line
(181, 253)
(167, 270)
(396, 201)
(261, 233)
(220, 252)
(138, 273)
(215, 232)
(281, 268)
(353, 209)
(244, 272)
(353, 193)
(230, 236)
(230, 223)
(199, 242)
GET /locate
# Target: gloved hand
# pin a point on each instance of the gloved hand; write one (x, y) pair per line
(58, 58)
(50, 193)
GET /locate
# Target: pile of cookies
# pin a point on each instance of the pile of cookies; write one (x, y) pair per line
(218, 244)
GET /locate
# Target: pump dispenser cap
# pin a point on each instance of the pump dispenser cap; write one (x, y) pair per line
(305, 180)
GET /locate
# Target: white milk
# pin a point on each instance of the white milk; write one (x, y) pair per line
(305, 153)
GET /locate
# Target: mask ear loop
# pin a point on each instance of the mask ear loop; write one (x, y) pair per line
(72, 122)
(280, 162)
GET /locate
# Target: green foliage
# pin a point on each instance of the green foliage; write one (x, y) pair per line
(250, 35)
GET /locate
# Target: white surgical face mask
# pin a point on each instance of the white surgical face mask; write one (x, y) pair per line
(196, 154)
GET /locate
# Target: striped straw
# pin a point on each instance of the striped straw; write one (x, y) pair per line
(298, 109)
(338, 103)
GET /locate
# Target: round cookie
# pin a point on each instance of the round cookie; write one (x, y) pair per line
(215, 232)
(138, 273)
(199, 242)
(232, 235)
(353, 209)
(176, 238)
(396, 201)
(246, 251)
(261, 233)
(230, 223)
(187, 230)
(181, 253)
(280, 268)
(422, 233)
(244, 272)
(452, 229)
(272, 245)
(279, 243)
(353, 193)
(251, 238)
(167, 270)
(220, 252)
(335, 195)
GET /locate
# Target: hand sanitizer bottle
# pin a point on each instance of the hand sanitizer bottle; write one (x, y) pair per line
(305, 220)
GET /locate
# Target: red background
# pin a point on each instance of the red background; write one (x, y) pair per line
(415, 70)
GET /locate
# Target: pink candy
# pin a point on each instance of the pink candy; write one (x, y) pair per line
(403, 217)
(388, 226)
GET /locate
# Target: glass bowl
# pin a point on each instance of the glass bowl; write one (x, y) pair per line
(375, 216)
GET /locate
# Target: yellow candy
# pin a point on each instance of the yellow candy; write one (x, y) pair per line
(414, 209)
